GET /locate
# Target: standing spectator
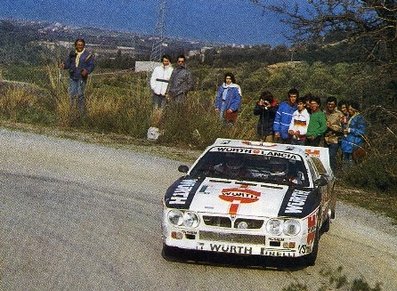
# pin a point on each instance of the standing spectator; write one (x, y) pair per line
(80, 64)
(228, 99)
(266, 108)
(284, 116)
(343, 108)
(334, 130)
(159, 81)
(317, 125)
(299, 123)
(180, 83)
(353, 133)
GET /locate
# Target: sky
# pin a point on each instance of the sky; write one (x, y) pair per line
(226, 21)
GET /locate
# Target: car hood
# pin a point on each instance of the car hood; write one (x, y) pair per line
(236, 198)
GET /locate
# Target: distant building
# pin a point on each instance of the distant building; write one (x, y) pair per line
(145, 66)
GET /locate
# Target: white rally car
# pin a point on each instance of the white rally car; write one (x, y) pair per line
(251, 198)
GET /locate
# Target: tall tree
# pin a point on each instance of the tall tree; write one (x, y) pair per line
(370, 23)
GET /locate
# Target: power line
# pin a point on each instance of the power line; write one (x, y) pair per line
(157, 47)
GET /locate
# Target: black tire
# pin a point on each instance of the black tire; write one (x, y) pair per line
(310, 259)
(326, 225)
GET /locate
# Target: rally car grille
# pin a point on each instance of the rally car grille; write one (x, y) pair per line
(217, 221)
(222, 221)
(232, 237)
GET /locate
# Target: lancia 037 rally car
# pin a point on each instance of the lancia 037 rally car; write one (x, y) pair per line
(251, 198)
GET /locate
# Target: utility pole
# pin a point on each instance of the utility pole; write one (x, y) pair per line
(157, 47)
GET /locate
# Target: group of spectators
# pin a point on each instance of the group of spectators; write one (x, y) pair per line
(170, 84)
(301, 121)
(297, 120)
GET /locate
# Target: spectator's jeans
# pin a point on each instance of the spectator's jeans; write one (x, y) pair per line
(159, 101)
(76, 93)
(222, 112)
(333, 150)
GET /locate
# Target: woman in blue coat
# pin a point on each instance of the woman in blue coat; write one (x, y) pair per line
(228, 99)
(353, 133)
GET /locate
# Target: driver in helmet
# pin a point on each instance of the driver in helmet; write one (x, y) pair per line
(278, 167)
(280, 171)
(232, 168)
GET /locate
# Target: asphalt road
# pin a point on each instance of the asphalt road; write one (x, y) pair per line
(78, 216)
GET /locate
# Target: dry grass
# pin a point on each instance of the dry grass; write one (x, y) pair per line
(375, 201)
(15, 101)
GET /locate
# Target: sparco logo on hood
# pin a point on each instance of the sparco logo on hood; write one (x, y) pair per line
(237, 196)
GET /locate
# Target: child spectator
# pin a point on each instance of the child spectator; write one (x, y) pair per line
(266, 108)
(300, 121)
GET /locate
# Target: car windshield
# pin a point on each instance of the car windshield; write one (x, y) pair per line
(252, 167)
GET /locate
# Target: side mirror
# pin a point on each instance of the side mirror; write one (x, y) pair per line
(183, 169)
(321, 182)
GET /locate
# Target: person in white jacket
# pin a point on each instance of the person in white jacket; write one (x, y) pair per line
(299, 123)
(159, 81)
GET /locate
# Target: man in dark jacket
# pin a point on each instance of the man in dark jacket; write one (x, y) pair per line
(79, 63)
(180, 83)
(266, 108)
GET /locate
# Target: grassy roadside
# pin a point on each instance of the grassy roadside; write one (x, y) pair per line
(375, 201)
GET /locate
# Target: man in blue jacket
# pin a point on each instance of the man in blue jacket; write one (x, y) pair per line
(284, 116)
(80, 64)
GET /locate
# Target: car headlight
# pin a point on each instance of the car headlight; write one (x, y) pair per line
(291, 227)
(190, 219)
(274, 226)
(175, 217)
(180, 218)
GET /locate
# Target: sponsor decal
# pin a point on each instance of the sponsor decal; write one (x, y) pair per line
(304, 249)
(296, 202)
(256, 152)
(299, 203)
(311, 229)
(312, 153)
(220, 248)
(181, 192)
(282, 155)
(278, 253)
(239, 195)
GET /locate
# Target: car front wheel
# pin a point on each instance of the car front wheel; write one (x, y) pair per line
(310, 259)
